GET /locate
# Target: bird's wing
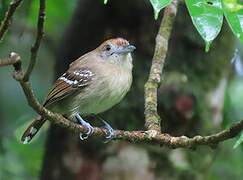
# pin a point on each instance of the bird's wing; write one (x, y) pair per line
(68, 83)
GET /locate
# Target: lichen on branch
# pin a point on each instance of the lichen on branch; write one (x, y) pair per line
(152, 119)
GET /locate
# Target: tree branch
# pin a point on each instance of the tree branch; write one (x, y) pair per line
(14, 60)
(145, 137)
(40, 33)
(152, 119)
(6, 22)
(148, 137)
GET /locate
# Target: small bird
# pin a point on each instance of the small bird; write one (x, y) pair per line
(93, 84)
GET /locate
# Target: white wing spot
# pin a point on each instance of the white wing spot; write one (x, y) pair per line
(75, 82)
(33, 130)
(26, 139)
(84, 73)
(66, 80)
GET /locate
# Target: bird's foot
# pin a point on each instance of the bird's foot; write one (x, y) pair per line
(84, 123)
(109, 128)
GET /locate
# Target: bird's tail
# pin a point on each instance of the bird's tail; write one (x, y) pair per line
(32, 129)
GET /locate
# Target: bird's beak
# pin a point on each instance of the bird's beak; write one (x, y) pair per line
(126, 49)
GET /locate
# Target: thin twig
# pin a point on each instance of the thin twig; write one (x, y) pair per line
(6, 22)
(14, 59)
(40, 33)
(152, 119)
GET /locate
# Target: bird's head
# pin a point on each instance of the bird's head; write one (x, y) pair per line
(116, 50)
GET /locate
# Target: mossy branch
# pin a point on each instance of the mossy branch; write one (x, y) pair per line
(152, 119)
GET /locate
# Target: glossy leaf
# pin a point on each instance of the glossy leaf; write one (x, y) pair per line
(234, 18)
(207, 17)
(158, 5)
(239, 141)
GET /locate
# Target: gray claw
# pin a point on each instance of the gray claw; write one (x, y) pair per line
(109, 128)
(84, 123)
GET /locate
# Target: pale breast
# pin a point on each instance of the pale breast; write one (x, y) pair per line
(106, 93)
(109, 85)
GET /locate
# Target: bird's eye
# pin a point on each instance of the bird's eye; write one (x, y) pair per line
(107, 47)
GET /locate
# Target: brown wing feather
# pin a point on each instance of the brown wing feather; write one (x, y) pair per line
(67, 84)
(59, 90)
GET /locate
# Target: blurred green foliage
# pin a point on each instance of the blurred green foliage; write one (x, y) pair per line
(234, 16)
(57, 16)
(233, 5)
(3, 8)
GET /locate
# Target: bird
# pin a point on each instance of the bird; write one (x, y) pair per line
(93, 83)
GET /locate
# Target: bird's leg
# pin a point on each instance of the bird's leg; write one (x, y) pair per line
(84, 123)
(109, 128)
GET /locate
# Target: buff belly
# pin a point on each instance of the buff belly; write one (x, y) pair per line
(94, 99)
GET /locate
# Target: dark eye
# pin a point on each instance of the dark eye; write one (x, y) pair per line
(107, 47)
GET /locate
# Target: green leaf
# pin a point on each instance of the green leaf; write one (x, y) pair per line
(158, 5)
(234, 17)
(232, 5)
(105, 1)
(239, 141)
(207, 17)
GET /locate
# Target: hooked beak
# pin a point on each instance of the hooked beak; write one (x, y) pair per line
(126, 49)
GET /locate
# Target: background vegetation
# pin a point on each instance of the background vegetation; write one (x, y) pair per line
(208, 85)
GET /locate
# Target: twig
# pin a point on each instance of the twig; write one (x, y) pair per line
(152, 119)
(40, 33)
(14, 59)
(6, 22)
